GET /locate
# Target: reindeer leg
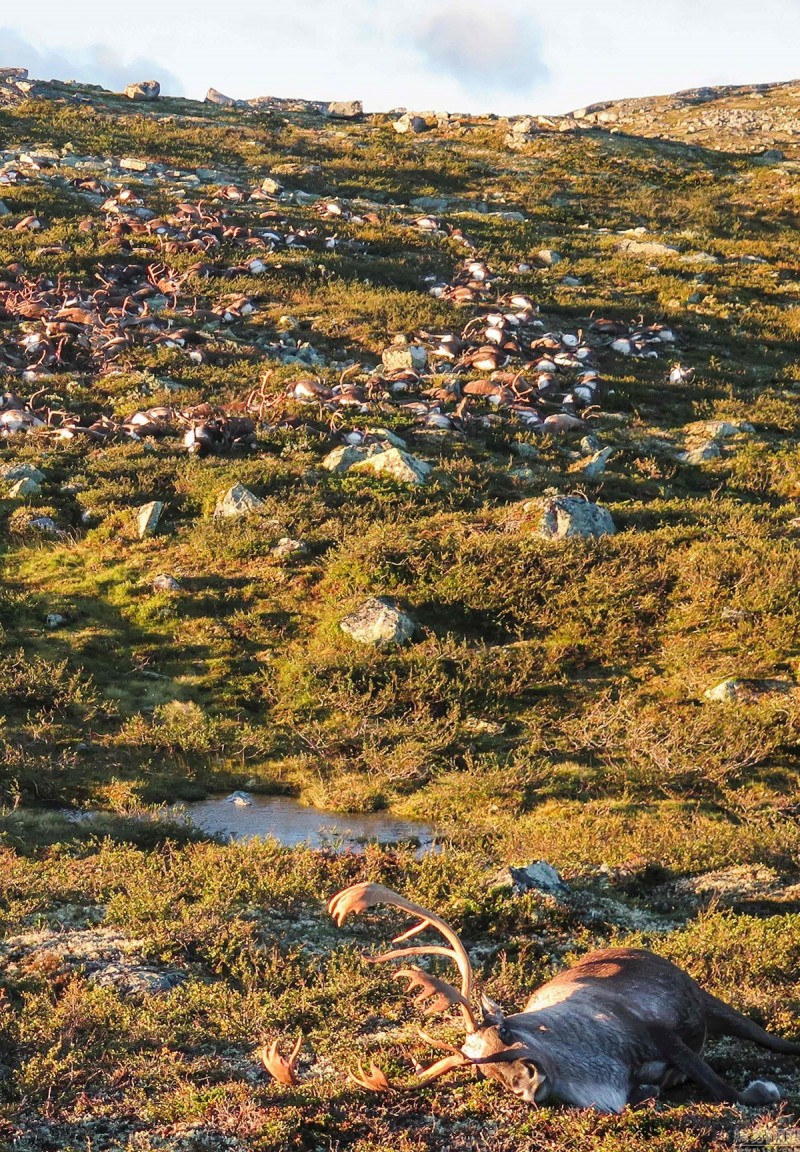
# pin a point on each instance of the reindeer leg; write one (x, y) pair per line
(681, 1056)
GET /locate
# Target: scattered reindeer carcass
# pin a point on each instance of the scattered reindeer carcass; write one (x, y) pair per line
(612, 1030)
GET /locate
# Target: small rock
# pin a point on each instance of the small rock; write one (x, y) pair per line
(270, 186)
(4, 209)
(523, 127)
(404, 356)
(342, 459)
(748, 691)
(21, 472)
(345, 109)
(548, 257)
(596, 464)
(700, 454)
(590, 444)
(721, 429)
(25, 487)
(132, 164)
(526, 451)
(396, 464)
(136, 980)
(144, 90)
(165, 583)
(287, 549)
(558, 517)
(147, 518)
(241, 799)
(647, 248)
(219, 98)
(45, 524)
(55, 620)
(378, 622)
(537, 877)
(237, 501)
(409, 123)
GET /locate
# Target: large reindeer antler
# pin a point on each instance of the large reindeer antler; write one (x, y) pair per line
(434, 995)
(359, 897)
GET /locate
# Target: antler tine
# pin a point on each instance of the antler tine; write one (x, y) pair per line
(440, 994)
(280, 1068)
(374, 1080)
(446, 1064)
(359, 897)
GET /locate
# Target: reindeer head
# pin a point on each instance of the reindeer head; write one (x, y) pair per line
(497, 1045)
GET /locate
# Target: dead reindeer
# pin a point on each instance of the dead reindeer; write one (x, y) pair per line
(612, 1030)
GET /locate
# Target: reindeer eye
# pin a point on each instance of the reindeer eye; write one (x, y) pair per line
(505, 1035)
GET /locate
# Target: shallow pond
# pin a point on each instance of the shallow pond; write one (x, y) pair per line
(291, 823)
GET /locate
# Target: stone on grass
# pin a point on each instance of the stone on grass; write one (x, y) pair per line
(397, 465)
(378, 622)
(700, 454)
(21, 472)
(537, 877)
(54, 620)
(4, 209)
(45, 525)
(596, 465)
(144, 90)
(409, 123)
(219, 98)
(342, 459)
(647, 248)
(166, 583)
(133, 164)
(238, 501)
(549, 257)
(743, 691)
(288, 549)
(345, 109)
(147, 518)
(25, 487)
(558, 517)
(402, 356)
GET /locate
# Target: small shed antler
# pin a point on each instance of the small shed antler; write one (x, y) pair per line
(280, 1068)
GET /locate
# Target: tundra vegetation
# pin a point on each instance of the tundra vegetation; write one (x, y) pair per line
(551, 703)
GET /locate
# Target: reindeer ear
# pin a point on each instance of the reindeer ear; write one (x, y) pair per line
(492, 1012)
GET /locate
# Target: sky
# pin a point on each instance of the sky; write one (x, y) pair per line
(504, 56)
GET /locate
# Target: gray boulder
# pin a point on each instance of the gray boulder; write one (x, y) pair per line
(220, 99)
(700, 454)
(401, 356)
(345, 109)
(25, 487)
(12, 472)
(409, 123)
(147, 518)
(378, 622)
(537, 877)
(237, 501)
(166, 583)
(146, 90)
(558, 517)
(397, 465)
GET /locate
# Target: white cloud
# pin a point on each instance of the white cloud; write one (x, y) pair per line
(490, 47)
(94, 64)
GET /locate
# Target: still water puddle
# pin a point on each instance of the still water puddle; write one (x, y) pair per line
(291, 823)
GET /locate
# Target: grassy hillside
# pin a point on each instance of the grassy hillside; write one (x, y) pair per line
(552, 700)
